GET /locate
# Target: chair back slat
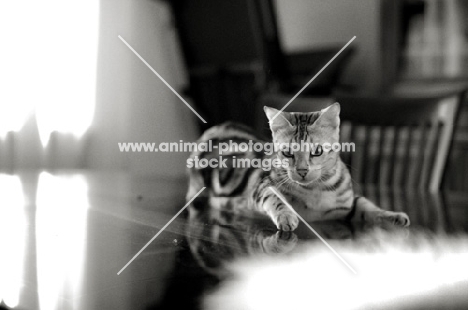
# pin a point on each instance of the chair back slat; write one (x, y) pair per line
(358, 158)
(346, 129)
(386, 152)
(449, 108)
(430, 151)
(373, 154)
(408, 161)
(417, 167)
(366, 154)
(393, 155)
(379, 164)
(399, 157)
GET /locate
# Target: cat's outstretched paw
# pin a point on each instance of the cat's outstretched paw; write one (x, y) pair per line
(286, 221)
(281, 242)
(395, 218)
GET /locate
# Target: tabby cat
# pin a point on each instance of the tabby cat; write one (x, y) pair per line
(317, 185)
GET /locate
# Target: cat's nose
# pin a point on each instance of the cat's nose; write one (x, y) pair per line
(302, 172)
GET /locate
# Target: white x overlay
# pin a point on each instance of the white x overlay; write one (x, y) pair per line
(160, 231)
(162, 79)
(271, 188)
(311, 80)
(313, 230)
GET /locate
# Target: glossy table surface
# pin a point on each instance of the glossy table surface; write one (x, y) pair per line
(66, 235)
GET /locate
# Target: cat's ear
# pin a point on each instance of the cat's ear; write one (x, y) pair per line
(330, 116)
(280, 121)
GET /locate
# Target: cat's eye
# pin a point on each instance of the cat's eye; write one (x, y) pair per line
(316, 151)
(287, 153)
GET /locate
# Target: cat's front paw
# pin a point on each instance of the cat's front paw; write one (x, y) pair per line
(281, 242)
(395, 218)
(286, 221)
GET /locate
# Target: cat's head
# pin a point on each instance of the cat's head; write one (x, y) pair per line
(317, 128)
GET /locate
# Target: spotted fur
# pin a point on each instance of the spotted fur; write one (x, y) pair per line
(319, 187)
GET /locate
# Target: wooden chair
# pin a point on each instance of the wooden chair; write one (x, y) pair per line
(402, 140)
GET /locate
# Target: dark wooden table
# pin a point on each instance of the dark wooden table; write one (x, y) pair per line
(66, 235)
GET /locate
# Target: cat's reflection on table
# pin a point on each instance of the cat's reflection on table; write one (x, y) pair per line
(221, 229)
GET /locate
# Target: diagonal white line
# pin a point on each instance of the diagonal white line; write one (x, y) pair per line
(315, 76)
(160, 231)
(161, 78)
(313, 230)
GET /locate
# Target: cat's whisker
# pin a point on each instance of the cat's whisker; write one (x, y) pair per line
(282, 182)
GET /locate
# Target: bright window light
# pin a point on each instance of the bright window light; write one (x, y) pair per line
(61, 222)
(12, 239)
(392, 273)
(48, 65)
